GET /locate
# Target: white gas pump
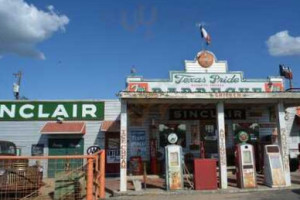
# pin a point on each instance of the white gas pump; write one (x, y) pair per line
(174, 169)
(273, 168)
(245, 166)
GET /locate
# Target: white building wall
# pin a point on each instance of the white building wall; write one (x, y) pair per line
(26, 133)
(293, 131)
(112, 109)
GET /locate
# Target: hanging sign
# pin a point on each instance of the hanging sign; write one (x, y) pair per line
(37, 149)
(138, 143)
(93, 149)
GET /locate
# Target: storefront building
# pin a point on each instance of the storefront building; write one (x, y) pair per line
(60, 127)
(206, 104)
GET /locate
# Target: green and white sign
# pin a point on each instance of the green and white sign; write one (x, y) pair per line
(205, 82)
(51, 110)
(214, 78)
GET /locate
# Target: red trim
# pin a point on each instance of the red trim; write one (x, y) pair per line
(110, 126)
(64, 128)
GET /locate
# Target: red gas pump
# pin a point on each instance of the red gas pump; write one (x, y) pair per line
(153, 157)
(202, 150)
(299, 156)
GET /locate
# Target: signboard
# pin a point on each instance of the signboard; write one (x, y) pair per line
(138, 143)
(246, 131)
(36, 111)
(92, 149)
(113, 156)
(194, 114)
(37, 150)
(205, 59)
(231, 82)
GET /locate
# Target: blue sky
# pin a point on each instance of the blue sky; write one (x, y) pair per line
(102, 39)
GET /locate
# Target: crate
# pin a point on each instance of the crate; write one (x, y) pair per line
(205, 174)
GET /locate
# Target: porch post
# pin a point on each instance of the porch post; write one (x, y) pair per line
(123, 147)
(221, 145)
(282, 140)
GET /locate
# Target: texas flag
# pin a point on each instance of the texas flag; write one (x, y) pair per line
(205, 35)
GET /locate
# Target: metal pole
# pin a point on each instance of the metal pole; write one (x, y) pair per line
(145, 176)
(102, 175)
(19, 77)
(89, 188)
(291, 85)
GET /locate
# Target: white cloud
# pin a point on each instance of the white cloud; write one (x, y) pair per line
(282, 44)
(22, 26)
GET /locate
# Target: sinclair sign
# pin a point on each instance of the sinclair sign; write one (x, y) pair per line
(50, 110)
(205, 82)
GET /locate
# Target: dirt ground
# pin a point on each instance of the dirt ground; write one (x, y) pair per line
(267, 195)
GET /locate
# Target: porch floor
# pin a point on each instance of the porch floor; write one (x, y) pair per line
(156, 185)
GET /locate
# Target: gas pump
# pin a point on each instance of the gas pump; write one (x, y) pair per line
(174, 169)
(273, 168)
(245, 166)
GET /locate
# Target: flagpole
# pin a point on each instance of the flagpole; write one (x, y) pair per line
(205, 41)
(202, 43)
(291, 85)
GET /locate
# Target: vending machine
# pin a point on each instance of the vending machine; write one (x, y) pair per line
(174, 164)
(245, 166)
(273, 168)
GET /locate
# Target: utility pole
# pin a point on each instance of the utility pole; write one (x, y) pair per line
(16, 87)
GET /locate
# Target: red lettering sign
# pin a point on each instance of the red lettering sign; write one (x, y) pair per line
(138, 87)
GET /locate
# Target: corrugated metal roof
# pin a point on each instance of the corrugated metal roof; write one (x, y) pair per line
(64, 128)
(110, 126)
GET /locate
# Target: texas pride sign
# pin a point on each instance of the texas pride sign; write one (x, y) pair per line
(205, 82)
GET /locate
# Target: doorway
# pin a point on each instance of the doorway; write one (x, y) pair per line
(112, 146)
(209, 138)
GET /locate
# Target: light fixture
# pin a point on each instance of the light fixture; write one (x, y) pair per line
(60, 120)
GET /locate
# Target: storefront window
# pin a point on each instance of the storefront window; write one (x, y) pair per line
(7, 148)
(209, 137)
(195, 138)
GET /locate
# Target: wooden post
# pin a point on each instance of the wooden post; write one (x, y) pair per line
(221, 145)
(102, 175)
(123, 147)
(145, 176)
(282, 139)
(89, 187)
